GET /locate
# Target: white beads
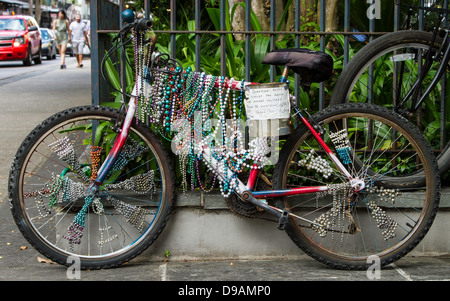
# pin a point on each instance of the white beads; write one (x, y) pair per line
(384, 221)
(335, 216)
(135, 215)
(140, 184)
(341, 143)
(64, 149)
(385, 194)
(317, 163)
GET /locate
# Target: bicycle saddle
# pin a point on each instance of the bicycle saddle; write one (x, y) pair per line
(313, 66)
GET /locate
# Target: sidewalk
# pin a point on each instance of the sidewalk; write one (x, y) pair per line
(18, 264)
(53, 90)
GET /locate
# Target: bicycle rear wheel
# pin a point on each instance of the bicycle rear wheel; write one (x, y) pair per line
(384, 72)
(50, 176)
(343, 227)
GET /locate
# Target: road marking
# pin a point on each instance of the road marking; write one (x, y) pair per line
(163, 271)
(401, 272)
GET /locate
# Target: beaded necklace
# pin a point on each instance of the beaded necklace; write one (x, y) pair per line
(200, 99)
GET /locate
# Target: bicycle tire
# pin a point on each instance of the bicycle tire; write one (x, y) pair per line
(343, 229)
(363, 58)
(121, 221)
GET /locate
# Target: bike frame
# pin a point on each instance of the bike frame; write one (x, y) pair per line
(213, 163)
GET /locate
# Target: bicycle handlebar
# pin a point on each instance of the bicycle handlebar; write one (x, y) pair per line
(143, 24)
(139, 25)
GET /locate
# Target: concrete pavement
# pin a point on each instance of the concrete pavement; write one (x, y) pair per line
(25, 101)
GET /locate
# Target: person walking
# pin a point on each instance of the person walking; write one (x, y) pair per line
(79, 38)
(60, 31)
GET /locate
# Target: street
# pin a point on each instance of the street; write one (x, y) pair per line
(28, 95)
(12, 69)
(32, 94)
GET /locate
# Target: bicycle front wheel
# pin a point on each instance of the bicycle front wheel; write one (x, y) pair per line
(385, 72)
(343, 226)
(49, 182)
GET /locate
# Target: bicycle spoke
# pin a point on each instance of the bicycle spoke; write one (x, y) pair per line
(60, 208)
(343, 221)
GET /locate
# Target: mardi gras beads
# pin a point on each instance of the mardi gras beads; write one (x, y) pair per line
(185, 104)
(95, 154)
(64, 149)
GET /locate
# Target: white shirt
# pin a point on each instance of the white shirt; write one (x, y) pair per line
(78, 30)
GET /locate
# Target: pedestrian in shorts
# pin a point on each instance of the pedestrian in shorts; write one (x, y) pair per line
(78, 31)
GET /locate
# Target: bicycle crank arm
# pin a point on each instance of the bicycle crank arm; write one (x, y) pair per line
(281, 214)
(248, 196)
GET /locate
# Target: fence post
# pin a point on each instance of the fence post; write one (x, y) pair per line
(322, 48)
(95, 56)
(123, 57)
(273, 21)
(104, 16)
(297, 45)
(197, 35)
(248, 37)
(223, 41)
(397, 15)
(443, 94)
(346, 29)
(147, 8)
(173, 22)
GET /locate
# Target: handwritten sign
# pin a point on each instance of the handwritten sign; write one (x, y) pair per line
(267, 101)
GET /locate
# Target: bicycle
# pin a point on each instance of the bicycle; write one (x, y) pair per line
(405, 71)
(97, 183)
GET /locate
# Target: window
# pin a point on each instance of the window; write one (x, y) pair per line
(45, 34)
(12, 24)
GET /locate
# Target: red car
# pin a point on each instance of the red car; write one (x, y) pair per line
(20, 39)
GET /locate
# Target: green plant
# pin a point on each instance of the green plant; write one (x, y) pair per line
(112, 66)
(236, 56)
(166, 255)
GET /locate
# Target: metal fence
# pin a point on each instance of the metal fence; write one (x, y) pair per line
(103, 25)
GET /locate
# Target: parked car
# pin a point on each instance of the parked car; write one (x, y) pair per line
(20, 39)
(49, 48)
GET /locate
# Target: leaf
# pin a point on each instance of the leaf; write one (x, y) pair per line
(386, 145)
(261, 44)
(99, 132)
(113, 104)
(283, 17)
(43, 260)
(214, 15)
(112, 74)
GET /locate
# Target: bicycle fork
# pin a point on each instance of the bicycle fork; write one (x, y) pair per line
(116, 149)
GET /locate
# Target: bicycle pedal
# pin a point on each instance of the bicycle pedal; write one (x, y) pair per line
(283, 219)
